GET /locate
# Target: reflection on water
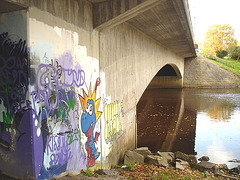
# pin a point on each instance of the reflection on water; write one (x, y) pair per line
(194, 121)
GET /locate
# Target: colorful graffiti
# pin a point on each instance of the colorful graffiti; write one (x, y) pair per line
(89, 118)
(13, 89)
(112, 113)
(56, 106)
(58, 150)
(73, 136)
(54, 96)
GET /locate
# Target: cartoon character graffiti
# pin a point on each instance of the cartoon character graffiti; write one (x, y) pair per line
(89, 118)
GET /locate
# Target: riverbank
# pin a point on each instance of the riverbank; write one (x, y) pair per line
(200, 72)
(142, 164)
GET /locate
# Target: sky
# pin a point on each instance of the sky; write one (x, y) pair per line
(206, 13)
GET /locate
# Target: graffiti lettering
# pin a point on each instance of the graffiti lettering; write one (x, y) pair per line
(13, 81)
(73, 136)
(13, 88)
(21, 107)
(58, 150)
(50, 79)
(56, 108)
(112, 119)
(11, 48)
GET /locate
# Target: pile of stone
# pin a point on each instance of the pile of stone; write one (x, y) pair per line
(179, 160)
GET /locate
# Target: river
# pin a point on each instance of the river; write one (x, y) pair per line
(194, 121)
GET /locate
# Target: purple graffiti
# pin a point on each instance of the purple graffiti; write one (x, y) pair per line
(13, 81)
(50, 79)
(58, 150)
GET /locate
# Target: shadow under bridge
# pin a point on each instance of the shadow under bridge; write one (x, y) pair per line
(168, 76)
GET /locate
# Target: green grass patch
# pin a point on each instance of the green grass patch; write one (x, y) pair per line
(228, 64)
(91, 173)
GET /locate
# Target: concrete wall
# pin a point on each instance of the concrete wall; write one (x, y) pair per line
(128, 62)
(65, 95)
(79, 100)
(15, 106)
(166, 82)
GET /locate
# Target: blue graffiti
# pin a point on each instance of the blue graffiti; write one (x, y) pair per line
(88, 120)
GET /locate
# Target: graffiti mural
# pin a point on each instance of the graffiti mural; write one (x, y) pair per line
(13, 89)
(112, 115)
(56, 106)
(54, 96)
(58, 150)
(89, 119)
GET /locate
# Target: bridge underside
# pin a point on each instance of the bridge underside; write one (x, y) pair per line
(167, 77)
(166, 21)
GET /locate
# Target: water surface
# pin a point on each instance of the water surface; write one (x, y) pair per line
(194, 121)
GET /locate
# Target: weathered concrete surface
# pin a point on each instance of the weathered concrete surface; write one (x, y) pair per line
(166, 21)
(199, 72)
(128, 62)
(77, 12)
(69, 65)
(166, 82)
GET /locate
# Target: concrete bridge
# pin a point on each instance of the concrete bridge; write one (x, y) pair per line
(72, 72)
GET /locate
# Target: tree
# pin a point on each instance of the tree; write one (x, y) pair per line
(234, 52)
(218, 37)
(221, 53)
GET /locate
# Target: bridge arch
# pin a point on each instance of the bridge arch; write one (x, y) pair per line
(169, 76)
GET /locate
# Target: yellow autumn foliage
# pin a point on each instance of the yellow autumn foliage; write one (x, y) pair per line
(218, 37)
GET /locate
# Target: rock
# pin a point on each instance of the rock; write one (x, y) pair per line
(191, 159)
(180, 164)
(107, 172)
(235, 170)
(204, 158)
(143, 151)
(133, 157)
(225, 176)
(223, 166)
(162, 161)
(168, 155)
(207, 165)
(235, 160)
(204, 166)
(198, 167)
(216, 169)
(165, 159)
(151, 159)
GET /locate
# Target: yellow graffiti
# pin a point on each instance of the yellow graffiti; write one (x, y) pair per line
(112, 119)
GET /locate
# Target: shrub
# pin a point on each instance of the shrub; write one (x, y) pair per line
(221, 53)
(234, 52)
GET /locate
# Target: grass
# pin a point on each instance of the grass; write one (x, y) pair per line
(146, 171)
(91, 173)
(229, 64)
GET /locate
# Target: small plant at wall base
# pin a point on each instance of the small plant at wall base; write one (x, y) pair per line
(91, 173)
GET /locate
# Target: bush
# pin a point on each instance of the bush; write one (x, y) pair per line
(221, 53)
(234, 52)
